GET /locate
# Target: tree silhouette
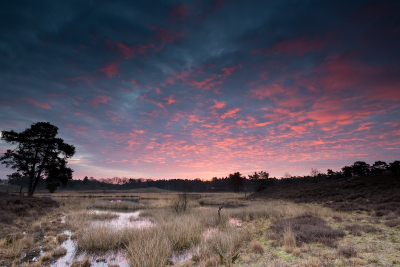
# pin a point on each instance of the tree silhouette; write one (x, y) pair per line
(360, 168)
(394, 167)
(236, 181)
(379, 167)
(261, 180)
(39, 154)
(347, 171)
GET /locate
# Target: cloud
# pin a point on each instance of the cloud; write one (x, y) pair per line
(37, 104)
(230, 113)
(128, 52)
(218, 105)
(110, 69)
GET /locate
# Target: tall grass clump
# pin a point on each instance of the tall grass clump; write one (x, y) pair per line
(183, 231)
(149, 248)
(103, 238)
(222, 243)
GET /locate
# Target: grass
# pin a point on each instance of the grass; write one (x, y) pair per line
(116, 205)
(271, 233)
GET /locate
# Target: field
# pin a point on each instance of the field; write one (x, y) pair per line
(160, 228)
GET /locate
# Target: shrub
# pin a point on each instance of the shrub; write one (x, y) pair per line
(347, 251)
(356, 229)
(179, 205)
(307, 229)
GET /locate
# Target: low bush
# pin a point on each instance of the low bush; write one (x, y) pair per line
(347, 251)
(357, 229)
(307, 229)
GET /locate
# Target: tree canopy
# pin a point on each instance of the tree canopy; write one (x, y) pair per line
(38, 154)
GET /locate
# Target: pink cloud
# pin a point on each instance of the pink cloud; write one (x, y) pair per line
(218, 105)
(110, 69)
(158, 90)
(230, 113)
(128, 52)
(263, 91)
(99, 99)
(228, 71)
(36, 103)
(141, 49)
(146, 98)
(170, 100)
(170, 81)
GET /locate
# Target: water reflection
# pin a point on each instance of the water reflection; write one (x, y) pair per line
(124, 220)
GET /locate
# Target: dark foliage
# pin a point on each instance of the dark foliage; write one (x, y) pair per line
(38, 154)
(308, 229)
(236, 181)
(261, 180)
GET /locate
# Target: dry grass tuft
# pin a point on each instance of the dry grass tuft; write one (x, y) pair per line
(59, 252)
(312, 262)
(61, 238)
(46, 257)
(49, 243)
(289, 240)
(13, 248)
(102, 239)
(83, 263)
(150, 247)
(257, 247)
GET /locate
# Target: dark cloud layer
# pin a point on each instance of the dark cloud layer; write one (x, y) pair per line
(192, 89)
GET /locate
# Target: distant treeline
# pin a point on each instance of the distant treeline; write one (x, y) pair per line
(233, 182)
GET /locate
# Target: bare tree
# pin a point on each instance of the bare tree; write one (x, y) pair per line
(314, 172)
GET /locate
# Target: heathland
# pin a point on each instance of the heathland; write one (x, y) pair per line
(344, 222)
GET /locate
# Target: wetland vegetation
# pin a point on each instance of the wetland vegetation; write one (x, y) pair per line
(144, 229)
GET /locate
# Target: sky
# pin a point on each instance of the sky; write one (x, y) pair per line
(201, 89)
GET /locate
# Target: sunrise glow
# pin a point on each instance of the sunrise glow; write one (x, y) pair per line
(201, 89)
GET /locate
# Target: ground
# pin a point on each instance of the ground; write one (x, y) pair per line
(255, 231)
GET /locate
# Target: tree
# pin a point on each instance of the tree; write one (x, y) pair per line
(347, 171)
(261, 180)
(360, 168)
(379, 167)
(39, 154)
(394, 167)
(314, 172)
(236, 181)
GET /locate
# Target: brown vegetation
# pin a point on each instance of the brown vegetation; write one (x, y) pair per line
(375, 192)
(15, 207)
(306, 229)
